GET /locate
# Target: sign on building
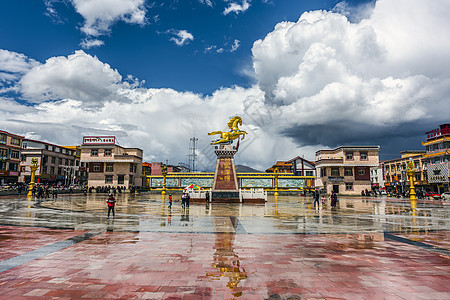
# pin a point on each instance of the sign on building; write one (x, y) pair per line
(438, 173)
(99, 140)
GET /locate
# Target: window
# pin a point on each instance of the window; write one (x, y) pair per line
(349, 186)
(66, 162)
(3, 152)
(60, 161)
(22, 169)
(96, 168)
(24, 145)
(362, 172)
(309, 173)
(59, 171)
(109, 179)
(323, 172)
(94, 152)
(13, 166)
(15, 154)
(15, 142)
(131, 167)
(3, 138)
(363, 155)
(2, 165)
(348, 172)
(53, 160)
(44, 170)
(120, 179)
(52, 170)
(334, 172)
(107, 152)
(349, 155)
(109, 167)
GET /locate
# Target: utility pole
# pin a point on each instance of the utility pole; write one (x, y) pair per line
(193, 155)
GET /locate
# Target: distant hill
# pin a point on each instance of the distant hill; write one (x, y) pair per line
(245, 169)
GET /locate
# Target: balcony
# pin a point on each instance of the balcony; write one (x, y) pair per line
(329, 162)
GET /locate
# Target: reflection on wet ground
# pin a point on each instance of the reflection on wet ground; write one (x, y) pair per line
(366, 248)
(149, 212)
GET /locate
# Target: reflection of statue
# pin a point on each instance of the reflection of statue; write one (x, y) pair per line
(226, 261)
(227, 137)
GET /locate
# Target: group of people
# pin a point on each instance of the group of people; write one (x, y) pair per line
(107, 189)
(333, 199)
(185, 198)
(40, 191)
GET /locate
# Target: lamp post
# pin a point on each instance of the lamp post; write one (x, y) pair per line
(412, 189)
(164, 173)
(276, 182)
(33, 168)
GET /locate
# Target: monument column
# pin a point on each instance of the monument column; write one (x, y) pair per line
(225, 185)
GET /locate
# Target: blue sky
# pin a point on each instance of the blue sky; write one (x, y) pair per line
(303, 75)
(145, 50)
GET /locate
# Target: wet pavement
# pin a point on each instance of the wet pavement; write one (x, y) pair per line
(366, 248)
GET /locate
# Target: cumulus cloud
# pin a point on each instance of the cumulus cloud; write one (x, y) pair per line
(13, 65)
(237, 8)
(322, 81)
(181, 37)
(100, 15)
(336, 81)
(79, 76)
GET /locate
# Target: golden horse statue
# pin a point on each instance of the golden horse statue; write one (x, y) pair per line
(227, 137)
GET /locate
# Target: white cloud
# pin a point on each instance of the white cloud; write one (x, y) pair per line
(236, 8)
(358, 81)
(207, 2)
(322, 81)
(235, 45)
(100, 15)
(181, 37)
(78, 76)
(14, 63)
(90, 43)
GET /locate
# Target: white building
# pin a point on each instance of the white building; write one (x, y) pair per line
(110, 164)
(346, 170)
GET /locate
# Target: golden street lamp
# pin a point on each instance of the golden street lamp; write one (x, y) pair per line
(164, 173)
(33, 168)
(276, 182)
(412, 189)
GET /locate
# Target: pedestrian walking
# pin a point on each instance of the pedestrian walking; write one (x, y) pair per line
(333, 199)
(183, 200)
(316, 198)
(170, 200)
(111, 201)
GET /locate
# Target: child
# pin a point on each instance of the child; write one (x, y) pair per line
(111, 203)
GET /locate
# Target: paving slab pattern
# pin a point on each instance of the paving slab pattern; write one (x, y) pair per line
(286, 249)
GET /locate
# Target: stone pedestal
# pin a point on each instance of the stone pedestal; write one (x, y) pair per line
(225, 187)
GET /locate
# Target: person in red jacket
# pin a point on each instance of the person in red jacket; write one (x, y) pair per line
(111, 203)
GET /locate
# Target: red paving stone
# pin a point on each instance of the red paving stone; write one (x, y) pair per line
(16, 240)
(225, 266)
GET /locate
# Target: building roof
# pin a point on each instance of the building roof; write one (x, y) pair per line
(12, 134)
(301, 158)
(45, 143)
(146, 164)
(350, 148)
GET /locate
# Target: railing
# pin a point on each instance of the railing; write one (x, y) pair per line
(252, 194)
